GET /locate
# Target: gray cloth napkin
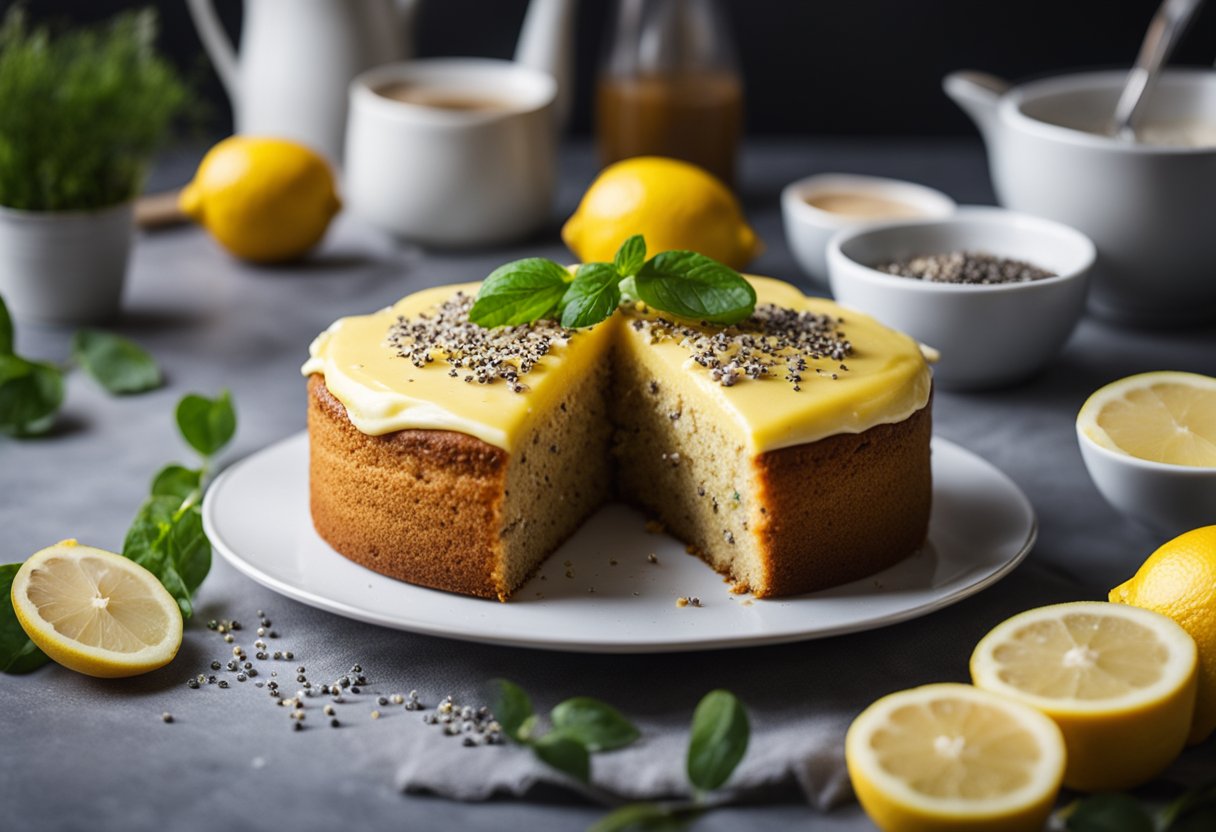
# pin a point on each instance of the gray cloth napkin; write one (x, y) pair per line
(800, 698)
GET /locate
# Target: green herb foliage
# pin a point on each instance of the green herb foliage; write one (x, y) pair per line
(719, 738)
(1193, 811)
(717, 742)
(581, 726)
(681, 283)
(116, 363)
(81, 113)
(17, 653)
(31, 392)
(166, 537)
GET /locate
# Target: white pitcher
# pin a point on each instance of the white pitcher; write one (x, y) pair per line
(298, 57)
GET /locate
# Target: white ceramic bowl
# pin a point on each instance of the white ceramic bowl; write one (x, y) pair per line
(988, 335)
(1169, 498)
(1148, 209)
(808, 229)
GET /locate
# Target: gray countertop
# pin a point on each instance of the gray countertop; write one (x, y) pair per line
(81, 753)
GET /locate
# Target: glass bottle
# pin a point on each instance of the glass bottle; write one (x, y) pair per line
(670, 85)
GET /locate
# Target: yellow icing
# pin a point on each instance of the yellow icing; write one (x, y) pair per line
(887, 380)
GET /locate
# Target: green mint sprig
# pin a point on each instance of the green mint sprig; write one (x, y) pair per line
(682, 283)
(31, 392)
(1193, 811)
(717, 742)
(166, 537)
(581, 727)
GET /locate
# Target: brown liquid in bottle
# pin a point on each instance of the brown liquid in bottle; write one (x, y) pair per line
(694, 116)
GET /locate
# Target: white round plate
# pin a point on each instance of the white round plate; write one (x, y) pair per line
(256, 515)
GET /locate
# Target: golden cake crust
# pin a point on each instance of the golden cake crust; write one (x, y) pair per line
(866, 495)
(422, 506)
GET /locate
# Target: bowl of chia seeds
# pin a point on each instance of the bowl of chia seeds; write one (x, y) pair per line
(996, 293)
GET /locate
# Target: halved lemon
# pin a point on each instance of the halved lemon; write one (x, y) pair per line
(1164, 417)
(952, 757)
(1120, 682)
(96, 612)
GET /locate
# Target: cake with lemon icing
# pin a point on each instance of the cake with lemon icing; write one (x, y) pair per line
(789, 451)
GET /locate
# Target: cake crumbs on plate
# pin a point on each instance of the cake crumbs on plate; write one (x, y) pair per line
(654, 526)
(652, 558)
(688, 601)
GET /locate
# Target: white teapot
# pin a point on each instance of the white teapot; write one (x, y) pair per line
(298, 57)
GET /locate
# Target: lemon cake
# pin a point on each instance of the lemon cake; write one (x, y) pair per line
(790, 451)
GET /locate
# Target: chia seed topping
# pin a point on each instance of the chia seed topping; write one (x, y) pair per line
(774, 340)
(472, 351)
(970, 267)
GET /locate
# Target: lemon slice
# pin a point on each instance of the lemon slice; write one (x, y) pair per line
(952, 757)
(1160, 417)
(1120, 682)
(96, 612)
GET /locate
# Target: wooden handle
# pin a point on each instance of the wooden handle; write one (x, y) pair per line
(159, 210)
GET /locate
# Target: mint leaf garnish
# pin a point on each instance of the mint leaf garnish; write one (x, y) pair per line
(520, 293)
(207, 424)
(17, 653)
(719, 739)
(6, 330)
(595, 724)
(592, 297)
(682, 283)
(30, 395)
(177, 481)
(696, 287)
(118, 364)
(630, 256)
(565, 754)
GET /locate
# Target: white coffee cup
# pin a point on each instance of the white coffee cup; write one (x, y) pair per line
(446, 176)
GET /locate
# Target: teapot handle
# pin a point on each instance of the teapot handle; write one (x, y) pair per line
(219, 46)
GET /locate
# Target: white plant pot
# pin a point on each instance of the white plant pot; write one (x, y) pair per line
(65, 266)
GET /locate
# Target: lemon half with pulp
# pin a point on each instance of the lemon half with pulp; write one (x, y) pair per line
(952, 757)
(96, 612)
(1119, 681)
(1166, 417)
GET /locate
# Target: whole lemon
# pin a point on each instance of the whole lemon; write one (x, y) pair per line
(1179, 580)
(263, 199)
(673, 204)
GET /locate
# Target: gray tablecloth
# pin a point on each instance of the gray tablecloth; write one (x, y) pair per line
(81, 753)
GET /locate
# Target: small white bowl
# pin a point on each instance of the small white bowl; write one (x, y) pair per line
(1169, 498)
(988, 335)
(808, 229)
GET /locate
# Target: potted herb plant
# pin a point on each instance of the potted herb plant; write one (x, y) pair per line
(81, 114)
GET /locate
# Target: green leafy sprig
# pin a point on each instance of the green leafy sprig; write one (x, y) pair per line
(82, 112)
(166, 536)
(682, 283)
(31, 392)
(581, 727)
(1193, 811)
(717, 742)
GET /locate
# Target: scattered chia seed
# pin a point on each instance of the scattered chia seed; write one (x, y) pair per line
(223, 683)
(333, 723)
(969, 267)
(215, 665)
(166, 717)
(773, 340)
(486, 355)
